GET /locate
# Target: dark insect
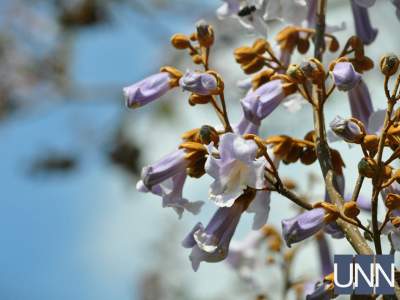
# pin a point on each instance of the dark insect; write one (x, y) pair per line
(247, 10)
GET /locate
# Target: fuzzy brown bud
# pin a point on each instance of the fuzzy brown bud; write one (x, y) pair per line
(389, 64)
(205, 34)
(180, 41)
(367, 167)
(295, 73)
(199, 99)
(351, 210)
(260, 46)
(208, 134)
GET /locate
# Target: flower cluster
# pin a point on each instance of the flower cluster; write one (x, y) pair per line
(244, 167)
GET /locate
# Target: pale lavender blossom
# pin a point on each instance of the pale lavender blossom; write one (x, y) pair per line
(345, 77)
(246, 127)
(260, 207)
(165, 168)
(236, 169)
(255, 14)
(346, 129)
(170, 190)
(211, 244)
(166, 179)
(147, 90)
(243, 257)
(199, 83)
(250, 14)
(360, 102)
(258, 104)
(364, 29)
(303, 226)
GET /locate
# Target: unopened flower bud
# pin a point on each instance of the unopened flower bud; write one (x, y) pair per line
(253, 66)
(199, 83)
(244, 54)
(199, 99)
(196, 58)
(371, 142)
(389, 64)
(303, 45)
(350, 209)
(345, 76)
(348, 129)
(367, 167)
(295, 73)
(392, 201)
(307, 68)
(308, 156)
(208, 134)
(260, 46)
(205, 34)
(180, 41)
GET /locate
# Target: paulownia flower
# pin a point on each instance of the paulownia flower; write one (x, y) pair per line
(303, 225)
(258, 104)
(360, 102)
(345, 77)
(254, 14)
(211, 244)
(246, 127)
(364, 29)
(347, 129)
(166, 178)
(236, 169)
(148, 89)
(199, 83)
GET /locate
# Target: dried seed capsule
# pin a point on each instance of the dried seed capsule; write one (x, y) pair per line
(389, 64)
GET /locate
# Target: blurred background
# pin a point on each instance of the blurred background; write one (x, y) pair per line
(72, 225)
